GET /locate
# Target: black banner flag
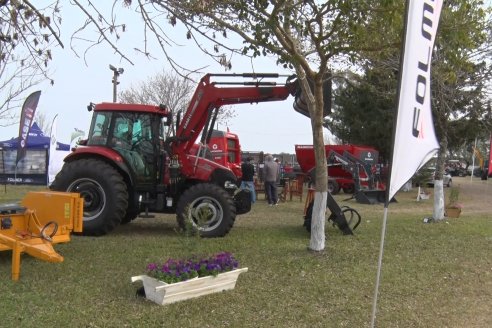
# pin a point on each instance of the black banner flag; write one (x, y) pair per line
(27, 116)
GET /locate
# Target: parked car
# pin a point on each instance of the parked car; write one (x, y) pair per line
(447, 180)
(457, 172)
(456, 168)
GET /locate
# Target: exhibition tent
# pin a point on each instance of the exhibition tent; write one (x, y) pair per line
(33, 168)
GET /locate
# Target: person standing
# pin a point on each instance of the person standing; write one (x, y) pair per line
(248, 170)
(271, 172)
(279, 170)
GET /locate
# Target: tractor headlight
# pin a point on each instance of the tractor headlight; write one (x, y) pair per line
(230, 185)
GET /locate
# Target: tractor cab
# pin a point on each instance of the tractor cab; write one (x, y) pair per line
(132, 132)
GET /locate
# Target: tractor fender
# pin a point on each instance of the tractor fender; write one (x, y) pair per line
(220, 176)
(109, 156)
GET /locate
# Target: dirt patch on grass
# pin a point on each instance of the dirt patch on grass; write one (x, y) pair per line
(475, 194)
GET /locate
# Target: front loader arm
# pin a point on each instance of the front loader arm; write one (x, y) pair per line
(209, 96)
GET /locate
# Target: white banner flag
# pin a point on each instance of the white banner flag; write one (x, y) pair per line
(415, 140)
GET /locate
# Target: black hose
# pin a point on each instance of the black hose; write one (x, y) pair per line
(50, 236)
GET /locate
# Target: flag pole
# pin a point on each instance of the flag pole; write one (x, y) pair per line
(388, 181)
(49, 150)
(489, 172)
(473, 160)
(380, 264)
(412, 125)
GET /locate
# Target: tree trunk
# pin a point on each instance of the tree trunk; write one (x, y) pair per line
(438, 214)
(438, 200)
(317, 241)
(314, 99)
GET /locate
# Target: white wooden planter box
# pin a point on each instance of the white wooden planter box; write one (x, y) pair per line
(163, 293)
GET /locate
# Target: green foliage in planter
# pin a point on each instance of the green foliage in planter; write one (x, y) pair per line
(453, 198)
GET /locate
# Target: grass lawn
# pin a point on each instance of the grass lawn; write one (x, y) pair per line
(433, 275)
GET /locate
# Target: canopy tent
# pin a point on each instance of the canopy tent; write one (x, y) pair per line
(33, 168)
(36, 140)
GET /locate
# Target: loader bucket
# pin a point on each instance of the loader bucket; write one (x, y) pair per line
(370, 196)
(300, 103)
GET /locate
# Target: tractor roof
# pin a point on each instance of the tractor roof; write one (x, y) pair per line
(106, 106)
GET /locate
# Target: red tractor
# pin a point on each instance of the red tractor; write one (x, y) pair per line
(136, 159)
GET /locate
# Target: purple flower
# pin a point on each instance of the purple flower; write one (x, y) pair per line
(151, 266)
(179, 270)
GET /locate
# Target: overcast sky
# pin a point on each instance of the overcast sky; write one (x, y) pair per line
(271, 127)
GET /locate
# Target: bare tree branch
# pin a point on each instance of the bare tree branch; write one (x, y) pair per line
(103, 36)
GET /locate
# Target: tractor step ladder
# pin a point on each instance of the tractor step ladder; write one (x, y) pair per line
(146, 202)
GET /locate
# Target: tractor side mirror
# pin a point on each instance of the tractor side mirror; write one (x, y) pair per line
(90, 107)
(168, 115)
(169, 118)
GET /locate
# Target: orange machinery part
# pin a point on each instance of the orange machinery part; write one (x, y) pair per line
(43, 218)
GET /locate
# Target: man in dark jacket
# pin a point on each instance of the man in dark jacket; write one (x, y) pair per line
(248, 170)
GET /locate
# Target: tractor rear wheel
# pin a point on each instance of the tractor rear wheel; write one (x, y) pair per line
(132, 211)
(103, 189)
(208, 208)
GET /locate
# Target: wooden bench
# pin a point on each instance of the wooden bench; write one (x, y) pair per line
(259, 188)
(296, 187)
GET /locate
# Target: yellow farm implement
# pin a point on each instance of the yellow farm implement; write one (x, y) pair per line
(43, 218)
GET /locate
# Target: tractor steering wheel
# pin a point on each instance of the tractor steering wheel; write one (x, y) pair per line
(137, 142)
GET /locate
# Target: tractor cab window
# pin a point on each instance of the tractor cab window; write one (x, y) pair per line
(141, 129)
(122, 136)
(132, 138)
(142, 143)
(99, 131)
(142, 135)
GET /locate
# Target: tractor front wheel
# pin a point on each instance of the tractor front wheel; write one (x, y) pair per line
(207, 208)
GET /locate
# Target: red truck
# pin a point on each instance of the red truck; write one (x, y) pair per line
(222, 148)
(225, 149)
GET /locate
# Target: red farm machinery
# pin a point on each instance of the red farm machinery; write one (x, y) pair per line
(351, 168)
(139, 160)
